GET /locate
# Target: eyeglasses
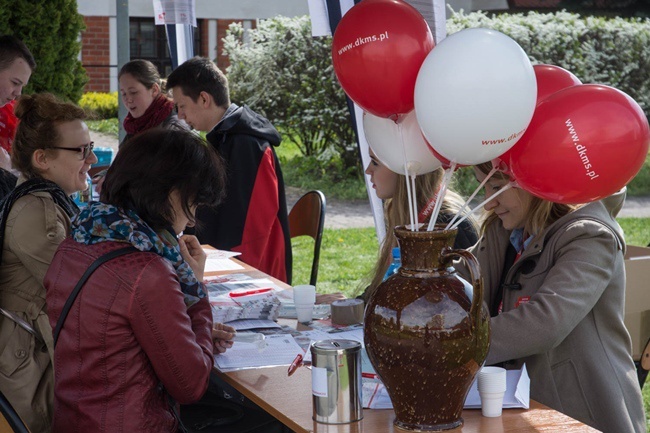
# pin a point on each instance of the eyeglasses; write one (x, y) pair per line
(83, 151)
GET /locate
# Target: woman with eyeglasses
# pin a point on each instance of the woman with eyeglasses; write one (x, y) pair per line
(53, 152)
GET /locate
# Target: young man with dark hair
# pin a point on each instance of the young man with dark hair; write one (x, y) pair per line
(253, 218)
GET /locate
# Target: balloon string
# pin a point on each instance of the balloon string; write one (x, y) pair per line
(415, 203)
(480, 205)
(409, 195)
(441, 195)
(471, 197)
(409, 192)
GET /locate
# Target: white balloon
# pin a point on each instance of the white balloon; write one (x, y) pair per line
(475, 95)
(385, 139)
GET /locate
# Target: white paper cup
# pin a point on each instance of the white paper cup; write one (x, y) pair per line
(304, 294)
(491, 403)
(491, 380)
(304, 312)
(304, 298)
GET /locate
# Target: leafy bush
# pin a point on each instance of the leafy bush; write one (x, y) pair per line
(51, 30)
(286, 74)
(327, 173)
(640, 185)
(611, 51)
(100, 105)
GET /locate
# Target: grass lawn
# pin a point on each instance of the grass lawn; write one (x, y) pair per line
(106, 126)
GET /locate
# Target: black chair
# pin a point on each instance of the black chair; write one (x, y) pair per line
(307, 218)
(9, 419)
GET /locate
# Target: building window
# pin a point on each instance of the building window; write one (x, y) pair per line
(149, 42)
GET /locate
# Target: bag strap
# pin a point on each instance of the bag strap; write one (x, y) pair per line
(75, 292)
(23, 324)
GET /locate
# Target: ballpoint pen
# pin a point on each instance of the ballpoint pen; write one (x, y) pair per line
(295, 364)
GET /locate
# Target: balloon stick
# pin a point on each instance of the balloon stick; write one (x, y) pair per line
(471, 197)
(441, 195)
(480, 205)
(415, 203)
(409, 192)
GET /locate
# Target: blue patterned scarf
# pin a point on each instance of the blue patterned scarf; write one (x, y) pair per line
(100, 222)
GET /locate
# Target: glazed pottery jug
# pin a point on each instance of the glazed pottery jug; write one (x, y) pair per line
(426, 331)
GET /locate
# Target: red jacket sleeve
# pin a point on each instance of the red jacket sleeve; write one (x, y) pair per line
(177, 340)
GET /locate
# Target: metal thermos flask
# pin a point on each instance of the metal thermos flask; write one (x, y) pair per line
(336, 381)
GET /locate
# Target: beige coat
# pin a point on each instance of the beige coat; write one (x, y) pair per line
(35, 227)
(570, 333)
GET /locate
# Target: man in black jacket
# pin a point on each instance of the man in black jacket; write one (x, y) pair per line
(253, 218)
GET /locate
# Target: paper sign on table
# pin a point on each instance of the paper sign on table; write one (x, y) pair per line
(517, 393)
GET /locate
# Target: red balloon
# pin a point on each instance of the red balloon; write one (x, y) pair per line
(377, 51)
(551, 79)
(584, 143)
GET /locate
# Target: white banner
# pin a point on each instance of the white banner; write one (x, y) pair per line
(175, 12)
(433, 12)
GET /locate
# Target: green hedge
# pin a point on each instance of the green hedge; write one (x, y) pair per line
(51, 29)
(612, 51)
(99, 105)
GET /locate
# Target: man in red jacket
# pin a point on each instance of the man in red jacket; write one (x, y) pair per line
(253, 218)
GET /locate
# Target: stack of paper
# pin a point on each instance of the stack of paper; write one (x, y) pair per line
(225, 309)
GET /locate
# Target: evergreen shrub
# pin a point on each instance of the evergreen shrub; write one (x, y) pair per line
(99, 105)
(51, 30)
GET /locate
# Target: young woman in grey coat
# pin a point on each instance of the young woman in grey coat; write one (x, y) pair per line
(555, 287)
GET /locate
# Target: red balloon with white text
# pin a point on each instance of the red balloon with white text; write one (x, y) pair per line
(550, 79)
(584, 143)
(377, 51)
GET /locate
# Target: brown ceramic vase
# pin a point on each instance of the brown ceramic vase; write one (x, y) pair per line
(426, 331)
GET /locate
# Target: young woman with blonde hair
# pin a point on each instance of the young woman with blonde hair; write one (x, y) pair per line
(554, 282)
(391, 187)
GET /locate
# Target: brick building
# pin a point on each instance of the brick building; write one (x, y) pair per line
(148, 41)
